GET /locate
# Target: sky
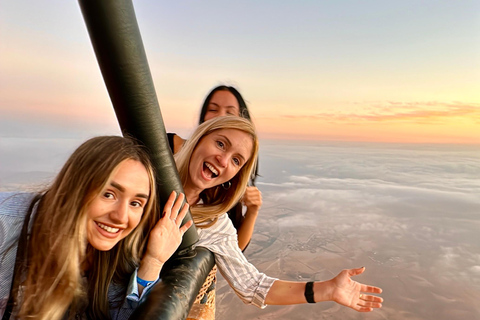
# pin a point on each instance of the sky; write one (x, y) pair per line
(386, 71)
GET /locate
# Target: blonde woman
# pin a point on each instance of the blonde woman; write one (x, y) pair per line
(227, 101)
(215, 165)
(72, 250)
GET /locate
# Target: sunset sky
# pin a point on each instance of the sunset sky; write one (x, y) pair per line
(388, 71)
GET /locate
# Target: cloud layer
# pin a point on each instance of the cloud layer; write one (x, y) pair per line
(409, 213)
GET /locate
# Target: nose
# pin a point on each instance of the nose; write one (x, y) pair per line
(119, 214)
(222, 160)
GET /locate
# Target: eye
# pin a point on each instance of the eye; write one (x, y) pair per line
(220, 144)
(236, 161)
(137, 204)
(108, 195)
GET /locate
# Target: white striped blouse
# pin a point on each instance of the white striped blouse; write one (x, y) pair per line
(249, 284)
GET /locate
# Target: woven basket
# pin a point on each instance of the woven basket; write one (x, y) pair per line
(204, 306)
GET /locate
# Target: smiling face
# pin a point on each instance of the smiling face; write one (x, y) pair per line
(118, 208)
(217, 158)
(222, 103)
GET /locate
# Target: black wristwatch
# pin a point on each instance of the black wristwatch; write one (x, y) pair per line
(309, 292)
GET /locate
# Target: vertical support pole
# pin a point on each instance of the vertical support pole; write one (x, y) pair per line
(117, 43)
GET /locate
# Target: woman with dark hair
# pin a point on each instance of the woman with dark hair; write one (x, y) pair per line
(71, 250)
(224, 101)
(221, 152)
(219, 103)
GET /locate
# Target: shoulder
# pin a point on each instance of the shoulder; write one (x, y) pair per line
(171, 137)
(15, 203)
(221, 230)
(13, 209)
(224, 224)
(175, 142)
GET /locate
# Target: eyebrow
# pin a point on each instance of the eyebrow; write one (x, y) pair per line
(122, 189)
(228, 107)
(230, 144)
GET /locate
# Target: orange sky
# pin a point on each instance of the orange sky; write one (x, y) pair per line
(379, 75)
(395, 122)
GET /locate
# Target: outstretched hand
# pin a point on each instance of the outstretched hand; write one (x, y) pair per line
(353, 294)
(167, 234)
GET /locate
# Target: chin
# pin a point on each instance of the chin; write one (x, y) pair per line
(102, 246)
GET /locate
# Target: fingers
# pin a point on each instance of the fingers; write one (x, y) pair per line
(371, 289)
(176, 206)
(364, 287)
(175, 210)
(182, 214)
(173, 205)
(253, 193)
(252, 197)
(185, 227)
(364, 302)
(370, 299)
(367, 303)
(355, 272)
(167, 209)
(363, 309)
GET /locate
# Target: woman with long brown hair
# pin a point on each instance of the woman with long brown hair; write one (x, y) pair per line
(77, 246)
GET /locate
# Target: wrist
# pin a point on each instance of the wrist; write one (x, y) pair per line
(151, 261)
(309, 293)
(252, 212)
(323, 291)
(144, 283)
(149, 268)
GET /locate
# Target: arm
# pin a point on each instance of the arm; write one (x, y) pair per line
(253, 201)
(258, 289)
(248, 283)
(164, 239)
(341, 289)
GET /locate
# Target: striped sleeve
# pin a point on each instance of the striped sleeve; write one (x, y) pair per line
(13, 207)
(249, 284)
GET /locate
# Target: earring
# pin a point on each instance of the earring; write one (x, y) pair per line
(226, 186)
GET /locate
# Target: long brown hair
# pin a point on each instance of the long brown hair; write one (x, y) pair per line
(218, 200)
(57, 246)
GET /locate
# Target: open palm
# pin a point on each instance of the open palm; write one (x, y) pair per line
(352, 294)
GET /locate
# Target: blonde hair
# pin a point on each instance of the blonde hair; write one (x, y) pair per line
(218, 200)
(58, 245)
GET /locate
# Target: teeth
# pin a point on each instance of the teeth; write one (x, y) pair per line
(107, 228)
(209, 166)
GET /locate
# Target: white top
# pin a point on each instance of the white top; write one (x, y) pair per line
(249, 284)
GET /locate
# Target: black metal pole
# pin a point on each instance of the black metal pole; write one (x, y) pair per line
(116, 39)
(117, 43)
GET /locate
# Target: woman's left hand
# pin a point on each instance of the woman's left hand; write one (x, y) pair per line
(352, 294)
(167, 234)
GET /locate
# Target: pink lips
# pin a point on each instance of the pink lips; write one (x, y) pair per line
(105, 233)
